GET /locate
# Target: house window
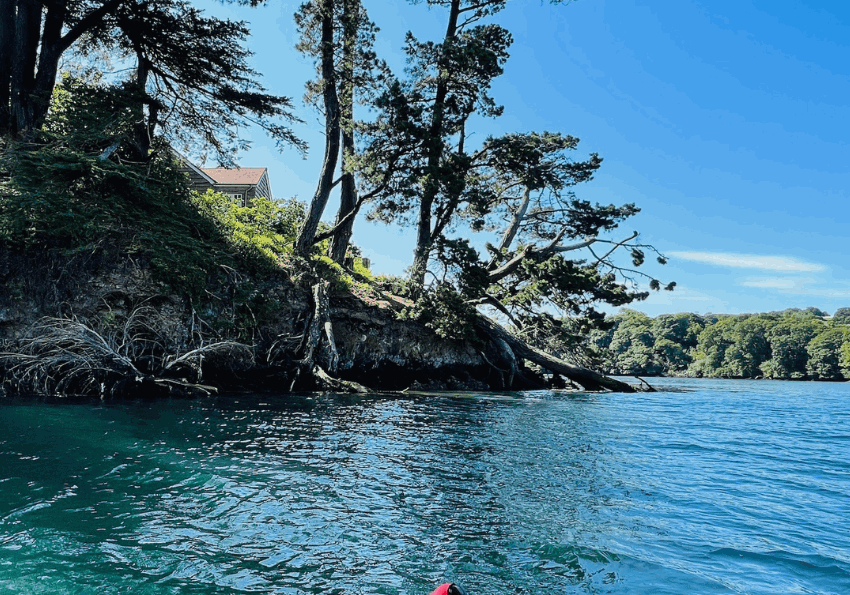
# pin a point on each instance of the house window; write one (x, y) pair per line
(235, 197)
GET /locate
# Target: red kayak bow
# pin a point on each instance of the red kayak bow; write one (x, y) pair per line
(448, 589)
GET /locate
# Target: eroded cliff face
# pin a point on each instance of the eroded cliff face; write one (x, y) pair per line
(116, 297)
(377, 349)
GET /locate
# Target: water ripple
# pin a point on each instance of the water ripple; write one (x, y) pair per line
(714, 487)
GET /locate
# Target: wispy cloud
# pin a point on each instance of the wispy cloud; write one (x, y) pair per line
(785, 264)
(799, 286)
(774, 282)
(674, 298)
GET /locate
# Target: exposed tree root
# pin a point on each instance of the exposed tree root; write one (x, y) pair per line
(336, 384)
(145, 353)
(588, 379)
(510, 349)
(319, 349)
(320, 324)
(66, 356)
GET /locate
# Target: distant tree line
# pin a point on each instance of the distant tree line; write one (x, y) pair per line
(792, 344)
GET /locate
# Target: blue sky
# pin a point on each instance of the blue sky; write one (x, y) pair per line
(726, 121)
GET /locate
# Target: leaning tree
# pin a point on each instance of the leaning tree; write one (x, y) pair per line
(339, 36)
(555, 253)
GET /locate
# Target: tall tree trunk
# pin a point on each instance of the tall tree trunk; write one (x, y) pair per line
(48, 62)
(348, 186)
(145, 125)
(307, 233)
(7, 48)
(27, 100)
(435, 154)
(347, 203)
(27, 30)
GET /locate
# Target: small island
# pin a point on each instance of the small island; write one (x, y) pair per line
(433, 349)
(120, 274)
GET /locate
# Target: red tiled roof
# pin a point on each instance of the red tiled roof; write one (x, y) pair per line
(243, 175)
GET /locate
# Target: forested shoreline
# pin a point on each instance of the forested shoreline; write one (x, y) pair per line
(793, 344)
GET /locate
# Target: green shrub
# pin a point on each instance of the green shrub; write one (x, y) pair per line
(58, 198)
(444, 311)
(328, 270)
(265, 228)
(395, 285)
(362, 271)
(63, 199)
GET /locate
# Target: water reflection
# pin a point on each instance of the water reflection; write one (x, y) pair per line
(530, 493)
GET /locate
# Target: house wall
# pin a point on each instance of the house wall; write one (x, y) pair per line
(264, 187)
(196, 181)
(199, 182)
(247, 192)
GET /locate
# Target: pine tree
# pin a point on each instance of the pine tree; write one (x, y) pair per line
(339, 36)
(191, 70)
(555, 252)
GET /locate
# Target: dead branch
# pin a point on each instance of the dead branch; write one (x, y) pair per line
(70, 356)
(336, 384)
(212, 347)
(614, 249)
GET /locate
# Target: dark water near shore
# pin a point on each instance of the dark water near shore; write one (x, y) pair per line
(716, 487)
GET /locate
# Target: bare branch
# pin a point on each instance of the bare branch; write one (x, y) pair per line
(577, 246)
(552, 248)
(489, 300)
(476, 6)
(220, 346)
(513, 226)
(614, 249)
(108, 151)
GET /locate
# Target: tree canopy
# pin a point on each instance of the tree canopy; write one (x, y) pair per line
(551, 251)
(191, 79)
(793, 344)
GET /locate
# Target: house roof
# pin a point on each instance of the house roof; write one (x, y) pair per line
(192, 166)
(241, 176)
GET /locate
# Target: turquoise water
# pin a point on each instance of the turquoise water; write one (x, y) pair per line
(707, 487)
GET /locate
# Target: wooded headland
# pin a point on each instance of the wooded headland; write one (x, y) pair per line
(116, 274)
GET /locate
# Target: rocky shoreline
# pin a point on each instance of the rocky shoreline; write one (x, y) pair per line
(98, 323)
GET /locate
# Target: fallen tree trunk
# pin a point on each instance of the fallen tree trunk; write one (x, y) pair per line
(588, 379)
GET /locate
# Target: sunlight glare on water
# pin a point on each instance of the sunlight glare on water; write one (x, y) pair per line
(711, 487)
